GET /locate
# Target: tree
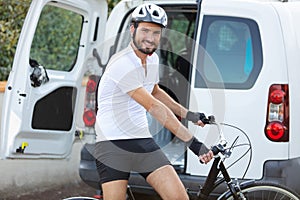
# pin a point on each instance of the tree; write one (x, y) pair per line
(11, 20)
(12, 16)
(112, 4)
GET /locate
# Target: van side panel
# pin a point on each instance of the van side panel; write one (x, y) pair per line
(245, 108)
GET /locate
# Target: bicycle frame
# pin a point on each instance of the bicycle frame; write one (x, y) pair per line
(211, 181)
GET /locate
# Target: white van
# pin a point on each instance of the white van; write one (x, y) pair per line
(238, 60)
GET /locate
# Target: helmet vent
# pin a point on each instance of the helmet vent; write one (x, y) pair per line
(155, 13)
(141, 12)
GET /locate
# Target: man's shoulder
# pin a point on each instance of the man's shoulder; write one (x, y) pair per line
(125, 57)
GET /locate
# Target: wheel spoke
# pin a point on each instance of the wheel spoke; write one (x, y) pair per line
(266, 191)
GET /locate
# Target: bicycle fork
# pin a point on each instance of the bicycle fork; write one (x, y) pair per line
(217, 167)
(233, 188)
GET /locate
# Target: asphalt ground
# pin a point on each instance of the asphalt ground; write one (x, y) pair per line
(56, 193)
(72, 190)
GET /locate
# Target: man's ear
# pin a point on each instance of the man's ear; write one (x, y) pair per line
(131, 30)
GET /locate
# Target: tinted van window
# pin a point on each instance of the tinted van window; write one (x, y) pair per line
(230, 54)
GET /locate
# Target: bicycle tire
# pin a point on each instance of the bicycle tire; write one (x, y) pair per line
(264, 191)
(81, 198)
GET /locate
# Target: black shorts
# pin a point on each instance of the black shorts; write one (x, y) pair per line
(117, 158)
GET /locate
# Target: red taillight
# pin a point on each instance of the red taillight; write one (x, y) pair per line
(277, 122)
(89, 117)
(91, 85)
(277, 96)
(275, 131)
(90, 104)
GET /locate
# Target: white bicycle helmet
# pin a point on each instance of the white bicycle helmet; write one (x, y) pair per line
(150, 12)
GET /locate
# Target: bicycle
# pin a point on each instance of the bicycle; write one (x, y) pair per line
(246, 190)
(250, 189)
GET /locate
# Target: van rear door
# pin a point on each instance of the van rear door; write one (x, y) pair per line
(289, 15)
(43, 89)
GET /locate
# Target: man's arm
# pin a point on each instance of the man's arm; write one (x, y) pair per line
(161, 113)
(167, 118)
(176, 108)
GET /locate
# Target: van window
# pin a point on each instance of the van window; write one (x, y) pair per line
(56, 41)
(230, 54)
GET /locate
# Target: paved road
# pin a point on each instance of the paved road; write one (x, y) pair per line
(73, 190)
(56, 193)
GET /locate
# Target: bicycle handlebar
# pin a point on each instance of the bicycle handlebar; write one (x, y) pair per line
(220, 147)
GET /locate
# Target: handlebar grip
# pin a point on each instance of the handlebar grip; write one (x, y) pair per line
(209, 120)
(196, 116)
(215, 150)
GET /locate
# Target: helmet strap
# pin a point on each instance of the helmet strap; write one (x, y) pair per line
(135, 24)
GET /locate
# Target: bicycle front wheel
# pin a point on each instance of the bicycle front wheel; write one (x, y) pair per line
(264, 191)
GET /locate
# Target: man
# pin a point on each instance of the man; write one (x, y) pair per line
(127, 90)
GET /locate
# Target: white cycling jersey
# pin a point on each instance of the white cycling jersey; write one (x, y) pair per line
(119, 116)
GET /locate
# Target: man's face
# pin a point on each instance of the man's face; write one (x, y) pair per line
(147, 37)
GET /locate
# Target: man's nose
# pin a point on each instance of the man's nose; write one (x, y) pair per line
(150, 36)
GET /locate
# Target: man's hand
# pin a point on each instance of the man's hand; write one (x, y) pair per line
(197, 118)
(199, 123)
(200, 150)
(205, 158)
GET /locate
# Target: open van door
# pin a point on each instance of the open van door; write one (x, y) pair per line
(42, 93)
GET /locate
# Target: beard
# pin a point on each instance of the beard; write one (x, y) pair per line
(146, 50)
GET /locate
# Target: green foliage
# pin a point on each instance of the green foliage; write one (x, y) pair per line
(56, 39)
(12, 16)
(112, 4)
(13, 13)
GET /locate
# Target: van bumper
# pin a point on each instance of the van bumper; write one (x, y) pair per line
(285, 172)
